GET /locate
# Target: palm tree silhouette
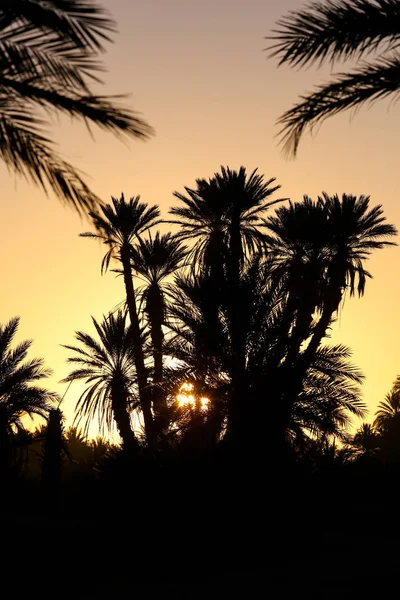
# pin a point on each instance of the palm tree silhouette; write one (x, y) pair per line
(223, 216)
(330, 395)
(333, 30)
(19, 394)
(120, 225)
(154, 260)
(366, 441)
(353, 232)
(388, 410)
(298, 247)
(50, 59)
(108, 368)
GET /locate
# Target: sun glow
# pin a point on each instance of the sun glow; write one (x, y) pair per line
(187, 397)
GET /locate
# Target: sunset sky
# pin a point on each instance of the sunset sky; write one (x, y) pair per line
(197, 72)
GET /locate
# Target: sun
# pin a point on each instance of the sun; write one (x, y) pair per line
(188, 397)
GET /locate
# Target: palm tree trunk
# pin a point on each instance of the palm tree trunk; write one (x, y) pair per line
(144, 391)
(331, 305)
(155, 310)
(121, 416)
(53, 458)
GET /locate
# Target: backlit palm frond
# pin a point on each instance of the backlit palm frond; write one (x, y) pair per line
(334, 30)
(84, 24)
(30, 154)
(365, 85)
(49, 58)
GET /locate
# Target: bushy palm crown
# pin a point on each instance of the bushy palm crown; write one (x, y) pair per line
(331, 235)
(326, 31)
(101, 364)
(154, 260)
(389, 408)
(121, 224)
(231, 199)
(19, 396)
(50, 57)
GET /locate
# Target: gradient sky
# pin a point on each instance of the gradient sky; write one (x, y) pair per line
(197, 73)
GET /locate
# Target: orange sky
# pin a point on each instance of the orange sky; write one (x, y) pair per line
(197, 72)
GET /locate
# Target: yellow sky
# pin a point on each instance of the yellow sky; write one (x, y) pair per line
(197, 72)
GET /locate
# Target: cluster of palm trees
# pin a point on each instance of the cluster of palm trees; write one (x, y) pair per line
(232, 308)
(219, 336)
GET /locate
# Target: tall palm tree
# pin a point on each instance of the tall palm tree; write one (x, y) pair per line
(50, 57)
(19, 394)
(224, 217)
(108, 368)
(322, 246)
(120, 225)
(154, 260)
(326, 31)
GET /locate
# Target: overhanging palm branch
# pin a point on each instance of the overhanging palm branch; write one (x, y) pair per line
(336, 30)
(49, 59)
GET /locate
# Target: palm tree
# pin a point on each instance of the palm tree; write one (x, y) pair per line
(388, 410)
(119, 225)
(224, 217)
(154, 260)
(332, 30)
(320, 249)
(353, 232)
(366, 441)
(50, 57)
(108, 368)
(19, 394)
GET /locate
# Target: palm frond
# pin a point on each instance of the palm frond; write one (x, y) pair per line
(334, 30)
(365, 85)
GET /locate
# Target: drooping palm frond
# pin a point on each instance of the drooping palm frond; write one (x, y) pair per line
(369, 83)
(49, 59)
(330, 395)
(334, 30)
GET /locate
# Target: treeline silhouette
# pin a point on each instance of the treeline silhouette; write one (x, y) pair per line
(213, 374)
